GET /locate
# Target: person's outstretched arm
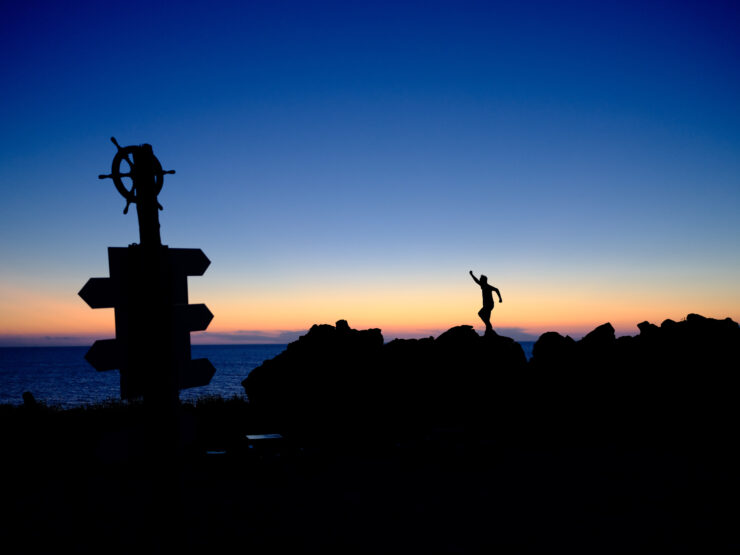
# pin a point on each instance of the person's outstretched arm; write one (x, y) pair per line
(499, 295)
(475, 279)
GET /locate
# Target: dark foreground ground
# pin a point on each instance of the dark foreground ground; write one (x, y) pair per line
(83, 482)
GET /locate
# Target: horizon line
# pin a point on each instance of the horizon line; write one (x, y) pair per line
(272, 337)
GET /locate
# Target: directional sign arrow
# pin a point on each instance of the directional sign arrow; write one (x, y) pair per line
(191, 262)
(195, 317)
(104, 355)
(99, 293)
(198, 372)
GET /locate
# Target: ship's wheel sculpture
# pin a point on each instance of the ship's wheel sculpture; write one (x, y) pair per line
(143, 167)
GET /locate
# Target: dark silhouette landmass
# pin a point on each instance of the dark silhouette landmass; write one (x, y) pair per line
(341, 378)
(454, 444)
(678, 379)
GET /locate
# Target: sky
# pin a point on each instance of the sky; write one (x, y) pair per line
(354, 160)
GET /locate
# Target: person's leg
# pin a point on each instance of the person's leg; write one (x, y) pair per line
(485, 315)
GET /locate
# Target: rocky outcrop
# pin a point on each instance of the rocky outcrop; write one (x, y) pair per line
(338, 377)
(672, 381)
(322, 377)
(676, 378)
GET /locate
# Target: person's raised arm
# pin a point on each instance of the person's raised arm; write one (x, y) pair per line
(475, 279)
(499, 295)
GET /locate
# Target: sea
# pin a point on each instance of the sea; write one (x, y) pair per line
(61, 377)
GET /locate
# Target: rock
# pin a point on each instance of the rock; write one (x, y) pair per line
(602, 336)
(552, 350)
(459, 336)
(648, 329)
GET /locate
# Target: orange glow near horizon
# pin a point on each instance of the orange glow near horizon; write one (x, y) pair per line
(403, 312)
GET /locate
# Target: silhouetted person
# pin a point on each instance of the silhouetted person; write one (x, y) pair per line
(487, 290)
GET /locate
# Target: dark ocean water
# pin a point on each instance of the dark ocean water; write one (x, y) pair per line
(61, 376)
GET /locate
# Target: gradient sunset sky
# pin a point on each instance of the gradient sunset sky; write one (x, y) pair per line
(355, 159)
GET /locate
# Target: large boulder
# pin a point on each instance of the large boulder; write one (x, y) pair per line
(324, 376)
(552, 350)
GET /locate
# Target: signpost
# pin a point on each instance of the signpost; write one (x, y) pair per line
(148, 291)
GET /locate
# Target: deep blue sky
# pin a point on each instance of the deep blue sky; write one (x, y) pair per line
(355, 159)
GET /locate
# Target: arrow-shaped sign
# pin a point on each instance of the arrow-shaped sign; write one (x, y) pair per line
(195, 317)
(199, 372)
(191, 262)
(99, 293)
(104, 355)
(169, 349)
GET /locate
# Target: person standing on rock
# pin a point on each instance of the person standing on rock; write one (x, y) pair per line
(487, 290)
